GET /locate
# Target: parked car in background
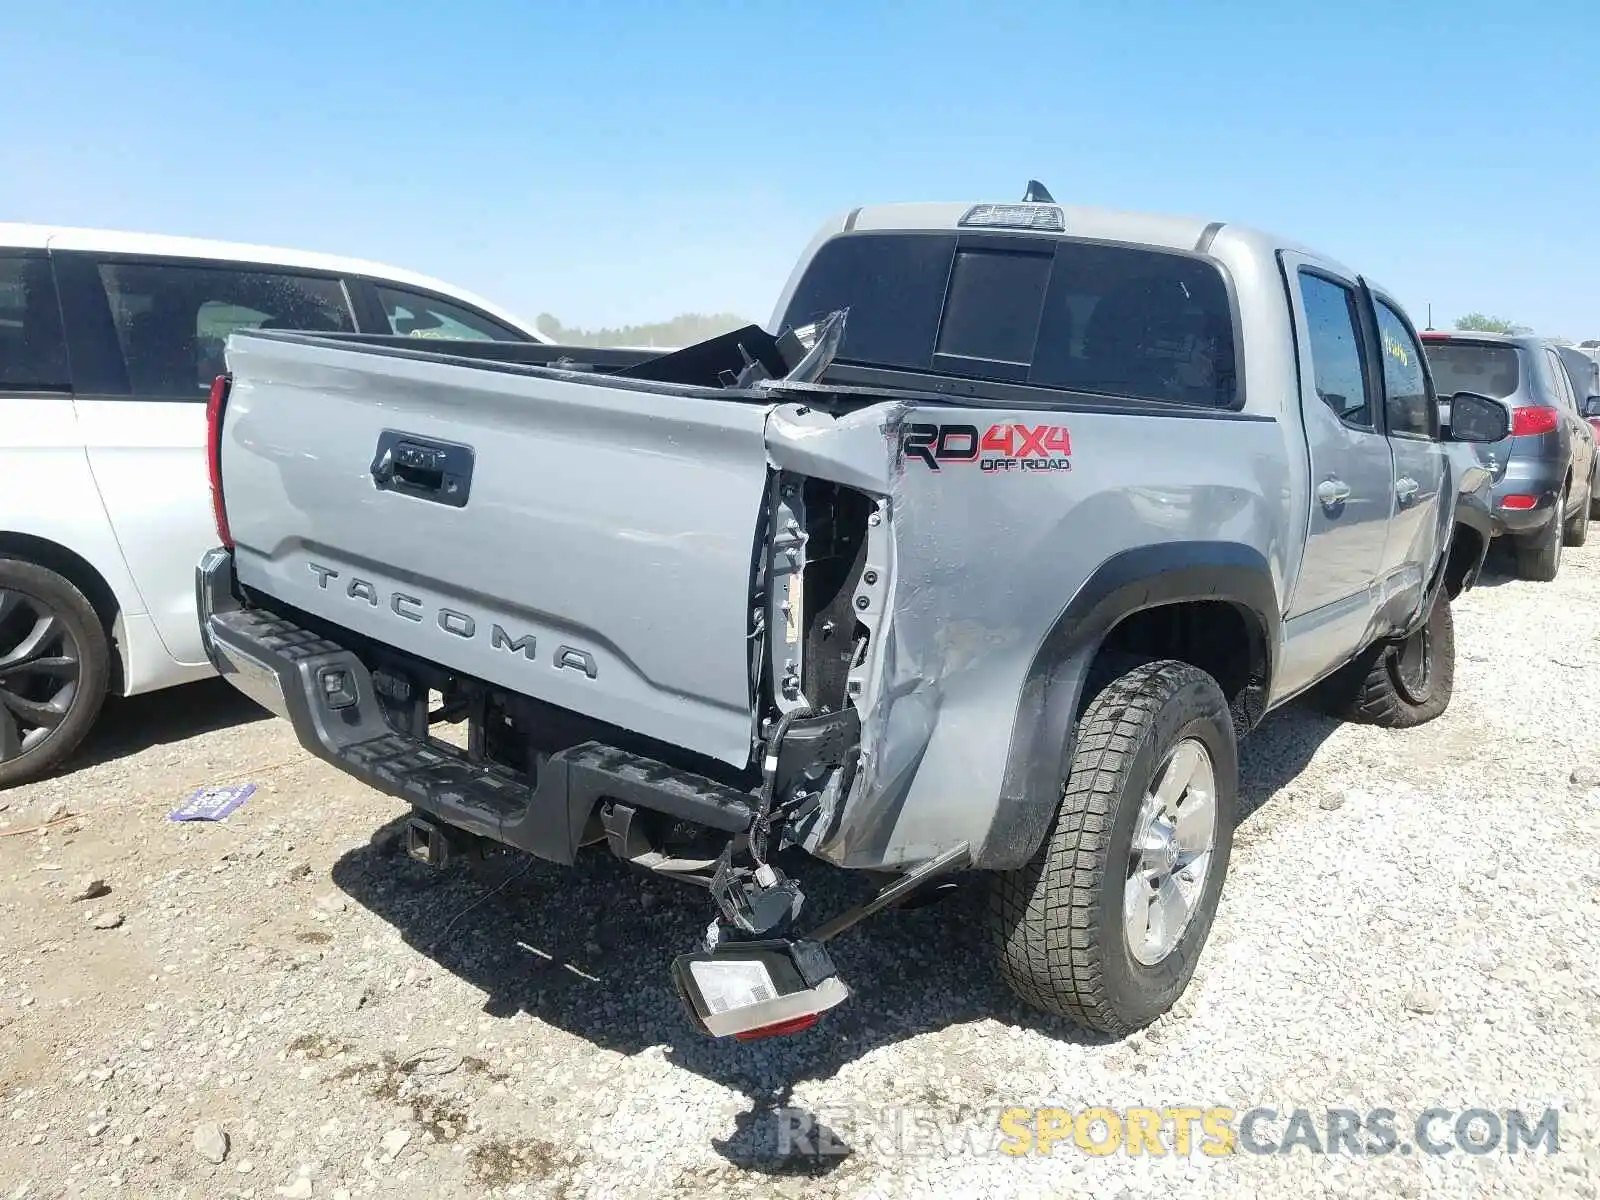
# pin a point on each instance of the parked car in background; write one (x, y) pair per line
(1583, 366)
(108, 346)
(1545, 471)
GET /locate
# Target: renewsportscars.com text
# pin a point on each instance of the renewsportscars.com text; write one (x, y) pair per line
(1182, 1131)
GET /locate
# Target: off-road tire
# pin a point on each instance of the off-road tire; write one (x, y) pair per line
(1576, 531)
(69, 605)
(1539, 557)
(1057, 922)
(1381, 688)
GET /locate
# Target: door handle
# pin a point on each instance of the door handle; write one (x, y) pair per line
(423, 468)
(1332, 492)
(1406, 489)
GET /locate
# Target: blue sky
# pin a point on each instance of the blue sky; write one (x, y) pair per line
(621, 161)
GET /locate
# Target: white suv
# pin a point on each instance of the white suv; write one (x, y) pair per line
(109, 343)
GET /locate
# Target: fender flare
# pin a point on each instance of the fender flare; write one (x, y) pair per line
(1132, 581)
(1475, 516)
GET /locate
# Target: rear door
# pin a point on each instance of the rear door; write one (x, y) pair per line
(1411, 420)
(42, 474)
(1581, 437)
(35, 393)
(147, 336)
(1352, 476)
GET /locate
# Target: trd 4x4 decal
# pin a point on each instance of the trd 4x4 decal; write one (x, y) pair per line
(1002, 447)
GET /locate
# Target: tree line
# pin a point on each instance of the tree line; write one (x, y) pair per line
(685, 329)
(1477, 322)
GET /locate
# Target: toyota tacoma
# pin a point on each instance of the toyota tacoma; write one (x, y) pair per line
(979, 557)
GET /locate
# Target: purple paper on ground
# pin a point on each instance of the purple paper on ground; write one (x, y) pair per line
(212, 803)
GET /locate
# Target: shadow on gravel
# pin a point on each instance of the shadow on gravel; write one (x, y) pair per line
(135, 723)
(1500, 567)
(588, 949)
(1277, 751)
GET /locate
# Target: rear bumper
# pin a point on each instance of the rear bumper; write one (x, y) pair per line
(327, 693)
(1538, 478)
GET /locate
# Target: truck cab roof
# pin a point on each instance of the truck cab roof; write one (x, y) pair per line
(1185, 234)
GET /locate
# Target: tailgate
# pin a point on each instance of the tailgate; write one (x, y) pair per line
(586, 544)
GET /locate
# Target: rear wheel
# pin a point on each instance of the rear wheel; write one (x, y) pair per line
(54, 666)
(1539, 558)
(1397, 685)
(1106, 923)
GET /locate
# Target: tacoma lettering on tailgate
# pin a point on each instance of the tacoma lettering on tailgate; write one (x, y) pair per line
(452, 621)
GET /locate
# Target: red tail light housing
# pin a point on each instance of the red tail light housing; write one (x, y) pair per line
(1519, 503)
(215, 404)
(1533, 420)
(797, 1025)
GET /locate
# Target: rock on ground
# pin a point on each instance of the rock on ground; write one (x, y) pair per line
(211, 1142)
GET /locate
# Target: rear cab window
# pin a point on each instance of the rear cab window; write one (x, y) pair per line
(33, 352)
(1489, 368)
(1096, 318)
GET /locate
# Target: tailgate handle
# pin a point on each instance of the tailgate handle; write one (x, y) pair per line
(423, 468)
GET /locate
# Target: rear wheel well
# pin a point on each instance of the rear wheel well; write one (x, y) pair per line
(1219, 637)
(77, 570)
(1466, 550)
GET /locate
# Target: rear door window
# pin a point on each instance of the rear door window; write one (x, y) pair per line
(1561, 384)
(416, 314)
(33, 353)
(1583, 372)
(1089, 317)
(1483, 367)
(1406, 405)
(1338, 363)
(173, 319)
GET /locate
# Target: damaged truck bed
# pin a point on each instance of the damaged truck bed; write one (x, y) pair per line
(982, 561)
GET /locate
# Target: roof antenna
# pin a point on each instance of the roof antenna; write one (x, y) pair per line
(1430, 316)
(1037, 193)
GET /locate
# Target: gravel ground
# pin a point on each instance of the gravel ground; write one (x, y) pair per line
(1410, 922)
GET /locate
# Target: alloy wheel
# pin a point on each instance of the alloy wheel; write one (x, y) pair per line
(40, 668)
(1173, 838)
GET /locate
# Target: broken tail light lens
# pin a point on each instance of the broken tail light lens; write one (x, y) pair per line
(758, 989)
(797, 1025)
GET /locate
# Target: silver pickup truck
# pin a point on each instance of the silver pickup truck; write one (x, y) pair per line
(979, 557)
